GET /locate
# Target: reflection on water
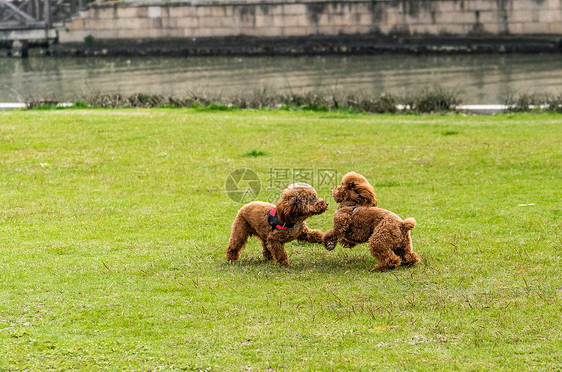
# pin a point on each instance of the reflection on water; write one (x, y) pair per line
(479, 78)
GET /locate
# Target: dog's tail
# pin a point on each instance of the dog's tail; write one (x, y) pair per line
(409, 223)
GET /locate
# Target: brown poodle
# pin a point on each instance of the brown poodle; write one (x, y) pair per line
(277, 225)
(358, 221)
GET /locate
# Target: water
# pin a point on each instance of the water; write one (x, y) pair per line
(480, 79)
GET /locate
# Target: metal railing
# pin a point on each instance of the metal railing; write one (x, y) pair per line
(32, 14)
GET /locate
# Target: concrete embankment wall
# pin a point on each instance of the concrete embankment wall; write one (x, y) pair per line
(173, 20)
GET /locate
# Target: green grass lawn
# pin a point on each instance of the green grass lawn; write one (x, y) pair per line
(113, 225)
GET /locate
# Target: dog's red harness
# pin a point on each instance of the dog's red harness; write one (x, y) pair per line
(273, 220)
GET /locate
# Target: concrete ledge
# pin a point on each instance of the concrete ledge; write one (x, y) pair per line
(35, 34)
(483, 109)
(11, 106)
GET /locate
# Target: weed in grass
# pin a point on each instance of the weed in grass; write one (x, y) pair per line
(216, 107)
(255, 153)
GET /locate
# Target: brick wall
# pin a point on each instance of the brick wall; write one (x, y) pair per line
(302, 18)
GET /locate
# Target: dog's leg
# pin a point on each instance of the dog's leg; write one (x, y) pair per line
(265, 251)
(330, 240)
(311, 236)
(387, 259)
(278, 250)
(410, 259)
(381, 244)
(342, 223)
(238, 237)
(408, 256)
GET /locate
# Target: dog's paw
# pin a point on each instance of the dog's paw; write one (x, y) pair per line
(232, 261)
(386, 266)
(330, 245)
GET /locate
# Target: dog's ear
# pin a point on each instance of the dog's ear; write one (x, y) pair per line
(367, 193)
(289, 205)
(359, 190)
(286, 206)
(283, 210)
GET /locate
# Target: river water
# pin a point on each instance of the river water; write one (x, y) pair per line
(479, 79)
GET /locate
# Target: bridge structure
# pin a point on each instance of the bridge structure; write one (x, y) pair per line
(24, 21)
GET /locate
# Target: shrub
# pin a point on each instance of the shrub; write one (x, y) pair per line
(554, 103)
(436, 99)
(43, 103)
(385, 103)
(521, 103)
(428, 100)
(89, 40)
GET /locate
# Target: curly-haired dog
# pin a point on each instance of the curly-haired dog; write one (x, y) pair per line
(357, 220)
(277, 225)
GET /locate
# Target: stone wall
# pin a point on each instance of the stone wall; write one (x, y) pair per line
(303, 18)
